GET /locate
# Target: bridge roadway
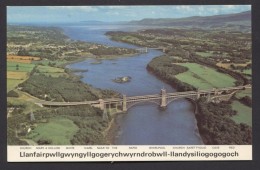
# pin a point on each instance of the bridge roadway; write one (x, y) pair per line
(187, 94)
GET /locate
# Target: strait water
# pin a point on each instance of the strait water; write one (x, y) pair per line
(146, 123)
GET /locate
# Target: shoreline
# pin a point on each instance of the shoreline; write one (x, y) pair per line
(110, 133)
(104, 57)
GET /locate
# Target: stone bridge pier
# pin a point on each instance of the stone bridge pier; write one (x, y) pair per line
(124, 103)
(164, 98)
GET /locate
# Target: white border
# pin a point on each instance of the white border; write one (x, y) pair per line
(108, 153)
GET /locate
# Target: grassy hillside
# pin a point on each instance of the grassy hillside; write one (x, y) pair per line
(244, 113)
(203, 77)
(240, 21)
(58, 130)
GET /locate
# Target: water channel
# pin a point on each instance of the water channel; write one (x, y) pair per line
(146, 123)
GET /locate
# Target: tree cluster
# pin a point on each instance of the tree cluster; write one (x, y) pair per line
(12, 93)
(111, 51)
(57, 88)
(216, 127)
(246, 100)
(163, 68)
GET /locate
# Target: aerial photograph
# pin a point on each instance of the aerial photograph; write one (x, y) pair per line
(129, 75)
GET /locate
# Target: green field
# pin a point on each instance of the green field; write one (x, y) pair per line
(244, 113)
(25, 67)
(204, 77)
(248, 71)
(243, 93)
(48, 69)
(11, 67)
(12, 83)
(59, 130)
(129, 38)
(46, 62)
(211, 53)
(53, 71)
(204, 54)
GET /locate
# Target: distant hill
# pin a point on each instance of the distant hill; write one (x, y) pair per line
(94, 22)
(239, 21)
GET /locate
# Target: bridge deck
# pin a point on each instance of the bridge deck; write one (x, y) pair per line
(143, 98)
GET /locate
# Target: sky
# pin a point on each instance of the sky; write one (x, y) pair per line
(27, 14)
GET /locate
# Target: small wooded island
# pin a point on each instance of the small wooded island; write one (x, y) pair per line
(123, 79)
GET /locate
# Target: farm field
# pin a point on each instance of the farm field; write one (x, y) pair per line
(130, 38)
(18, 68)
(53, 71)
(22, 59)
(204, 54)
(12, 83)
(248, 71)
(247, 92)
(22, 67)
(46, 62)
(59, 130)
(244, 113)
(228, 66)
(14, 78)
(17, 74)
(204, 77)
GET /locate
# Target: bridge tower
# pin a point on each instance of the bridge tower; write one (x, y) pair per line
(164, 99)
(124, 103)
(146, 50)
(101, 104)
(163, 50)
(215, 91)
(198, 95)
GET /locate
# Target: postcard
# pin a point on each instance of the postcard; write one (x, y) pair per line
(129, 83)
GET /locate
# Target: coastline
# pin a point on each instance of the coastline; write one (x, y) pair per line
(110, 133)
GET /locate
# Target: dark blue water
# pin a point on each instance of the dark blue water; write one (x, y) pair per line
(144, 123)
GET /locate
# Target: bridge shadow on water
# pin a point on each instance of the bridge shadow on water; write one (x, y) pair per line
(147, 123)
(192, 103)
